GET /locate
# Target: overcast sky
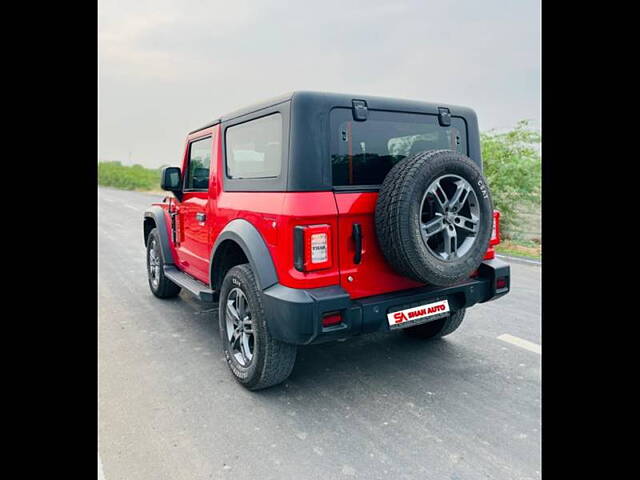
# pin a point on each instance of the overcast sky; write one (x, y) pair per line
(167, 67)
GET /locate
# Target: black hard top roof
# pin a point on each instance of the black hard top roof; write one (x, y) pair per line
(343, 99)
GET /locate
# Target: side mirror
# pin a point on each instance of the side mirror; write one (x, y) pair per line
(171, 180)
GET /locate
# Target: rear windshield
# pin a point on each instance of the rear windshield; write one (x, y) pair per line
(362, 153)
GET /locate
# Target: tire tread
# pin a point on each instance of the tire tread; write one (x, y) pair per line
(279, 357)
(392, 215)
(426, 331)
(166, 288)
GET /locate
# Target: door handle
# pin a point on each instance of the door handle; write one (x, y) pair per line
(357, 239)
(201, 217)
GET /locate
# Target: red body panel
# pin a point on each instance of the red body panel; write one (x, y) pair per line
(373, 275)
(193, 249)
(194, 241)
(275, 214)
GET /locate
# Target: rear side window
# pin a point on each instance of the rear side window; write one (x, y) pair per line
(254, 148)
(362, 153)
(199, 163)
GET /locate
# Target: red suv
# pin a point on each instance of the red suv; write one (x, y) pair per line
(313, 217)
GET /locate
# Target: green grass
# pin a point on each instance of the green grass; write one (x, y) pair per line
(520, 249)
(511, 166)
(135, 177)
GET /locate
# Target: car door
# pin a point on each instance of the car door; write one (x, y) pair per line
(193, 210)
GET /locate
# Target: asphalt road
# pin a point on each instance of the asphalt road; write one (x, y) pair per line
(375, 406)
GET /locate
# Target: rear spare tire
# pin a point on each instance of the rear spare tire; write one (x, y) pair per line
(434, 217)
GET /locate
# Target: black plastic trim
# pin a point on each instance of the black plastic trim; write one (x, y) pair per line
(360, 111)
(295, 315)
(356, 188)
(494, 269)
(298, 248)
(158, 216)
(254, 247)
(208, 125)
(211, 170)
(306, 165)
(444, 117)
(193, 285)
(357, 240)
(264, 184)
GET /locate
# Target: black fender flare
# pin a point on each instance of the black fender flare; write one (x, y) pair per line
(159, 217)
(254, 247)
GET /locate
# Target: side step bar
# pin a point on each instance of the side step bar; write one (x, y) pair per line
(183, 280)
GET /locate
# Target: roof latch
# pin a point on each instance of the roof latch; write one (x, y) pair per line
(444, 116)
(359, 110)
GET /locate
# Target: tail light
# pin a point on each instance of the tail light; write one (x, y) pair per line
(495, 233)
(312, 247)
(330, 319)
(495, 237)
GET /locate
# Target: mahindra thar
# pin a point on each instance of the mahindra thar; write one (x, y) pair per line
(313, 217)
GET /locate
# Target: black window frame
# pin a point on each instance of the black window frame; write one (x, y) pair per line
(186, 170)
(262, 184)
(376, 187)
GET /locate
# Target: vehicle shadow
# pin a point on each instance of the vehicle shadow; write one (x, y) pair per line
(354, 370)
(373, 358)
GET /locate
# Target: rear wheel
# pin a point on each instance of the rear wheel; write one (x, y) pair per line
(160, 285)
(438, 328)
(256, 359)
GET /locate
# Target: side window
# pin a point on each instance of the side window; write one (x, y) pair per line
(254, 148)
(198, 169)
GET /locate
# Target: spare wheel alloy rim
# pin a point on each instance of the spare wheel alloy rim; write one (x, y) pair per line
(239, 324)
(449, 217)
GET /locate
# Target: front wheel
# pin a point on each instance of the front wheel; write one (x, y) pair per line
(256, 359)
(160, 285)
(438, 328)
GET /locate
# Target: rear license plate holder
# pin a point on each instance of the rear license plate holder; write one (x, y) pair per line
(417, 313)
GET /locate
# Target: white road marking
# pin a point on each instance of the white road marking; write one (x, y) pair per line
(519, 259)
(131, 207)
(100, 472)
(108, 200)
(522, 343)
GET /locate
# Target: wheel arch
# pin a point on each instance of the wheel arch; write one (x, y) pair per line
(155, 217)
(240, 242)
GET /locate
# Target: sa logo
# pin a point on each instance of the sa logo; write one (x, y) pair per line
(399, 317)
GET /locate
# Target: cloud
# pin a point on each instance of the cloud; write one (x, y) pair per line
(166, 67)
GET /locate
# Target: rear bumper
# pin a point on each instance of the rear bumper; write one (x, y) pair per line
(295, 315)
